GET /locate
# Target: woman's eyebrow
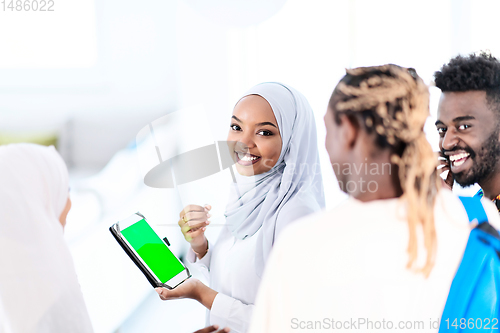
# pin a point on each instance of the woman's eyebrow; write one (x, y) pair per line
(259, 124)
(266, 123)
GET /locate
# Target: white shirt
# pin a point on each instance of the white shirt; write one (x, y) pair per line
(230, 266)
(346, 267)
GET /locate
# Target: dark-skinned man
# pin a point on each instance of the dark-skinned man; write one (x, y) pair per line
(468, 122)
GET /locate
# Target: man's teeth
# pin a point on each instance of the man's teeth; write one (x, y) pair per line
(245, 157)
(455, 157)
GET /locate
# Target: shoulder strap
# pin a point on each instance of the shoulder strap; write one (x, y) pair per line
(475, 209)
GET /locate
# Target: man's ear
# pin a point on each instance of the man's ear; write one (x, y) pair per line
(349, 130)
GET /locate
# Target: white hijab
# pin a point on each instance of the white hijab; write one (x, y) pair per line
(39, 290)
(292, 188)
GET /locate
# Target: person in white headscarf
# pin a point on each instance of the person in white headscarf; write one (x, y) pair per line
(39, 290)
(278, 180)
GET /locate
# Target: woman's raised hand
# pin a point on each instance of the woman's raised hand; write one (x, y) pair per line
(193, 222)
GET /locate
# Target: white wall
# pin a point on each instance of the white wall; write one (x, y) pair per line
(132, 80)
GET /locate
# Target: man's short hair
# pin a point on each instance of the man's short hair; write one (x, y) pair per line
(479, 72)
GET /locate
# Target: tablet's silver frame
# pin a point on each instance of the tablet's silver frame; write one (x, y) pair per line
(174, 281)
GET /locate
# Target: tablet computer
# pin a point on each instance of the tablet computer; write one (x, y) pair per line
(151, 255)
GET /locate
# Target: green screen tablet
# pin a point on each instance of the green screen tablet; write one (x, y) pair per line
(139, 240)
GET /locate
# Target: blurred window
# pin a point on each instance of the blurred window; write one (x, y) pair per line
(47, 34)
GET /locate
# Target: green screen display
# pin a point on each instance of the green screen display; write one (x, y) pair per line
(152, 250)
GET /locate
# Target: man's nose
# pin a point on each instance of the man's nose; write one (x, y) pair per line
(450, 140)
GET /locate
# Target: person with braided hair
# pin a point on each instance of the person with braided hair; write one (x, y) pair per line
(385, 258)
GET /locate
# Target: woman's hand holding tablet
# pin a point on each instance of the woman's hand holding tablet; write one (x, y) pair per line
(193, 221)
(213, 328)
(191, 288)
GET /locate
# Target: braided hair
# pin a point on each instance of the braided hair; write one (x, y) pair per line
(393, 103)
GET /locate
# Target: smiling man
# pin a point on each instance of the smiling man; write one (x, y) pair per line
(468, 122)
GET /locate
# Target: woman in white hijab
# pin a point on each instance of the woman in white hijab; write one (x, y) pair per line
(278, 181)
(39, 290)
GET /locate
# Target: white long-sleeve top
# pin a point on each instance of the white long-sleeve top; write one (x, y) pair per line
(229, 264)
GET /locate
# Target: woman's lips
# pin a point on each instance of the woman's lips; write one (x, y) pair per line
(246, 159)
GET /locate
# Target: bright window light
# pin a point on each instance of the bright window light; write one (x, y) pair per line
(47, 34)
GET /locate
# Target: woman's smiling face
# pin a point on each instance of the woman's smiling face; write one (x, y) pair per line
(255, 129)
